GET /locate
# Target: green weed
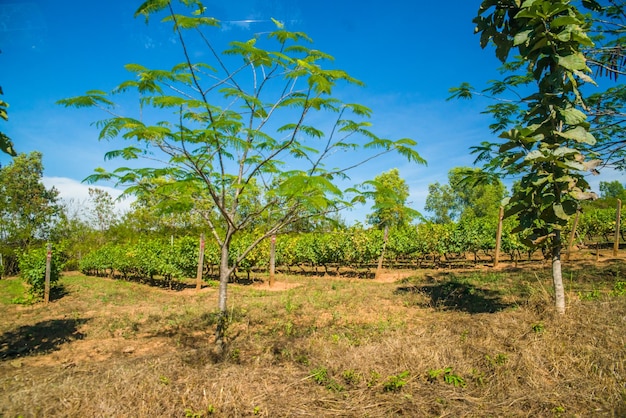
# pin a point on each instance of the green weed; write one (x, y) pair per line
(447, 375)
(395, 383)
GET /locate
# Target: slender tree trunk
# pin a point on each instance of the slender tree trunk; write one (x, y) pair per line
(617, 227)
(200, 264)
(382, 253)
(557, 275)
(222, 320)
(496, 257)
(272, 260)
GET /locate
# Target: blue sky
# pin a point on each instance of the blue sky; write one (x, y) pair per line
(407, 53)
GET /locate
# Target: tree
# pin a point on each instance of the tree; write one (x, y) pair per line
(390, 195)
(28, 211)
(463, 198)
(243, 123)
(103, 215)
(441, 203)
(612, 189)
(551, 135)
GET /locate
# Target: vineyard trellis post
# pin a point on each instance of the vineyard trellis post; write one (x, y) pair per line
(46, 294)
(496, 257)
(618, 216)
(272, 260)
(382, 253)
(200, 264)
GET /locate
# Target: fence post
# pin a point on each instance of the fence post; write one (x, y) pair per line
(382, 253)
(272, 259)
(46, 294)
(618, 217)
(200, 264)
(496, 257)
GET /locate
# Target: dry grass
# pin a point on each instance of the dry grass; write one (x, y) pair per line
(473, 344)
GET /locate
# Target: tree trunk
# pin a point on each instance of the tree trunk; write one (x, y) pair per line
(222, 320)
(557, 276)
(382, 253)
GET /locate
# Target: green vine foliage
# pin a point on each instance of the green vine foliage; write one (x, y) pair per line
(32, 265)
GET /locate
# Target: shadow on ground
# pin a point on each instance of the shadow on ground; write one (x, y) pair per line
(458, 296)
(40, 338)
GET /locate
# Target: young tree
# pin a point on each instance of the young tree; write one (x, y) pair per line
(390, 195)
(245, 122)
(103, 214)
(28, 211)
(551, 135)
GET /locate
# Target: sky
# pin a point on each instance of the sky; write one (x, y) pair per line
(407, 53)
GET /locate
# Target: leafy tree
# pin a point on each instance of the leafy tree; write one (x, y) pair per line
(612, 189)
(441, 203)
(390, 195)
(244, 123)
(465, 198)
(28, 211)
(103, 214)
(551, 135)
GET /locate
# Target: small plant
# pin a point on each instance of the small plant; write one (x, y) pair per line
(190, 413)
(320, 375)
(164, 380)
(448, 377)
(593, 295)
(395, 382)
(498, 360)
(352, 377)
(374, 378)
(619, 288)
(538, 328)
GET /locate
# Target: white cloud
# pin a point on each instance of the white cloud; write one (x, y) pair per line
(71, 190)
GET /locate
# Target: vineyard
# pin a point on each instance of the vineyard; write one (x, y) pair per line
(426, 245)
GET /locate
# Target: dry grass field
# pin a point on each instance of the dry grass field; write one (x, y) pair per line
(472, 343)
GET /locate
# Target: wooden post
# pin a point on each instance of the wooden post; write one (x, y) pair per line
(570, 243)
(496, 257)
(200, 264)
(382, 253)
(617, 227)
(272, 260)
(46, 293)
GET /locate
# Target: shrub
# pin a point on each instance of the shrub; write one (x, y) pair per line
(32, 265)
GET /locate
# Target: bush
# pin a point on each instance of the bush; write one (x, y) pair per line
(32, 265)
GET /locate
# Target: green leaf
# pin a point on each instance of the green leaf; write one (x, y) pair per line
(578, 134)
(572, 116)
(573, 62)
(522, 37)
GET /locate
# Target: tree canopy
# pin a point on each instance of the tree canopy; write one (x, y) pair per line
(244, 128)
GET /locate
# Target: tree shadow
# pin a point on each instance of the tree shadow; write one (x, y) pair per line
(458, 296)
(58, 291)
(42, 337)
